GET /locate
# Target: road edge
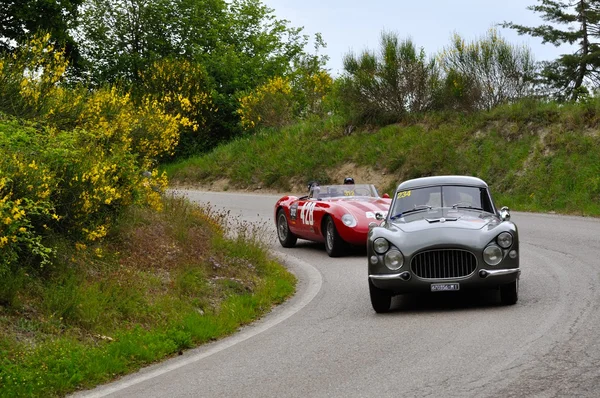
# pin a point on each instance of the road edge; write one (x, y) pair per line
(309, 284)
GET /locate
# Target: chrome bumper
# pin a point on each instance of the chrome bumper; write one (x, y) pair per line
(483, 273)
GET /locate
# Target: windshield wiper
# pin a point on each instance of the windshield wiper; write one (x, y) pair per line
(416, 208)
(457, 206)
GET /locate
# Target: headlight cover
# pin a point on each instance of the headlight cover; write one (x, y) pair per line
(394, 259)
(381, 245)
(505, 240)
(349, 220)
(492, 255)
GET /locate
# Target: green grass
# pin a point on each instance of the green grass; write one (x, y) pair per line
(536, 156)
(163, 283)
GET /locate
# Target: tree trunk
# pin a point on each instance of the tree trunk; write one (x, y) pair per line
(585, 49)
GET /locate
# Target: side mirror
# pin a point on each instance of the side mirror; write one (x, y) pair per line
(505, 213)
(379, 216)
(386, 196)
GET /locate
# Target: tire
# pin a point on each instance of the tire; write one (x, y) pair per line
(509, 293)
(380, 299)
(334, 244)
(286, 237)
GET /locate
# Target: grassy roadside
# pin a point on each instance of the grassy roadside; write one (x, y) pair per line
(536, 156)
(162, 283)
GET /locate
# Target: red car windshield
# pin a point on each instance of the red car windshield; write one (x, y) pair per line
(340, 191)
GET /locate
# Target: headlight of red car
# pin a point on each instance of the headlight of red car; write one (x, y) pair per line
(349, 220)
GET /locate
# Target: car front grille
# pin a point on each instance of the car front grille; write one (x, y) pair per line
(443, 264)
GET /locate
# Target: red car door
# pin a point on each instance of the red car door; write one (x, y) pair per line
(306, 224)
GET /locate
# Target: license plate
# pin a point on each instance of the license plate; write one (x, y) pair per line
(445, 287)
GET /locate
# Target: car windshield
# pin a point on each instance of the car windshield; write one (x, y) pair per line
(338, 191)
(451, 196)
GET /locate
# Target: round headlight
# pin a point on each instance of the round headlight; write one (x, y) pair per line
(492, 255)
(394, 260)
(381, 245)
(349, 220)
(505, 240)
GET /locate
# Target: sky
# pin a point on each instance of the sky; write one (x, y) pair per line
(356, 25)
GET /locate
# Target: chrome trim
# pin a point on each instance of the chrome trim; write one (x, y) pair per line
(500, 272)
(443, 264)
(386, 277)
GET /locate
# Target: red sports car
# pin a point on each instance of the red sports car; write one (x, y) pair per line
(335, 214)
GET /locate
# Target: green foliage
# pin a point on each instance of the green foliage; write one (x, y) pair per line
(535, 155)
(113, 308)
(233, 47)
(269, 105)
(23, 18)
(89, 155)
(384, 88)
(185, 89)
(567, 76)
(118, 39)
(485, 73)
(311, 83)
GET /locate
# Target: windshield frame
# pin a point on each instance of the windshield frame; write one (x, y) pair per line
(485, 202)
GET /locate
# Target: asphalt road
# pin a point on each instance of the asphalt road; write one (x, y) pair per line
(328, 342)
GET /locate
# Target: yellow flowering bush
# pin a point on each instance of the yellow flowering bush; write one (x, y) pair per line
(30, 75)
(19, 239)
(269, 105)
(86, 153)
(179, 88)
(310, 91)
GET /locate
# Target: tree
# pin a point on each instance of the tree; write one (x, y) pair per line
(485, 73)
(569, 74)
(239, 43)
(21, 19)
(384, 87)
(120, 38)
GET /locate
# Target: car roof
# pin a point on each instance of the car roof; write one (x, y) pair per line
(442, 180)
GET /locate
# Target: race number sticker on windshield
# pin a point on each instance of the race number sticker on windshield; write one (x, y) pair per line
(348, 193)
(403, 194)
(307, 213)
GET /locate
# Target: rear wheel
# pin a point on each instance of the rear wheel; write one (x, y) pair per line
(286, 237)
(380, 299)
(334, 244)
(509, 293)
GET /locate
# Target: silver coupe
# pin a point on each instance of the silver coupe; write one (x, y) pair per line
(442, 234)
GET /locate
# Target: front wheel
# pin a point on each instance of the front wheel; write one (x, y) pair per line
(334, 244)
(380, 299)
(509, 293)
(286, 237)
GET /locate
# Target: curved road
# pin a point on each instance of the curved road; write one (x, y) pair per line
(328, 342)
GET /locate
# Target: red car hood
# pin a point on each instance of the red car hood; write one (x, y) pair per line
(364, 207)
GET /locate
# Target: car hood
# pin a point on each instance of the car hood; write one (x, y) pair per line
(366, 207)
(446, 218)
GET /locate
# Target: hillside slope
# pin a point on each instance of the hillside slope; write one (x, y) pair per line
(536, 157)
